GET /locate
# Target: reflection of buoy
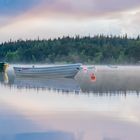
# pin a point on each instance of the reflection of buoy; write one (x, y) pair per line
(93, 77)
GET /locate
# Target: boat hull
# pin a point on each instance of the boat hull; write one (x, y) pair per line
(63, 71)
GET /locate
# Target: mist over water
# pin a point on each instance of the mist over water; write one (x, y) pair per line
(106, 108)
(108, 79)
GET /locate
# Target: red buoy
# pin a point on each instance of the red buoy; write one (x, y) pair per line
(93, 77)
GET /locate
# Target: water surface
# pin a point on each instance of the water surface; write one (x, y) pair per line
(68, 109)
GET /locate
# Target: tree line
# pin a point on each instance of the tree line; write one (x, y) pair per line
(99, 49)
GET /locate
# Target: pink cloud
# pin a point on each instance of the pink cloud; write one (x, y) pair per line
(87, 7)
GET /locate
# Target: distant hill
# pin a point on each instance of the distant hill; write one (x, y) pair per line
(92, 50)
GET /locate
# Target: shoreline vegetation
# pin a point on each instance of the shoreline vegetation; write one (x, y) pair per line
(99, 49)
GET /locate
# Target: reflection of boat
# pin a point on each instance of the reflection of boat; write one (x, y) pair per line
(63, 84)
(59, 71)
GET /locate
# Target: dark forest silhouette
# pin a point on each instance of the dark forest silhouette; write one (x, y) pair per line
(99, 49)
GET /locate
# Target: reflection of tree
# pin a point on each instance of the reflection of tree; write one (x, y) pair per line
(4, 78)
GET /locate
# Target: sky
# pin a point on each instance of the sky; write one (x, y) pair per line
(30, 19)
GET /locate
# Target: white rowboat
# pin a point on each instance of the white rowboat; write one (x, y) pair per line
(59, 71)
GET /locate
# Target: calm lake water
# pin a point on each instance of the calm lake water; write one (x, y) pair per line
(107, 108)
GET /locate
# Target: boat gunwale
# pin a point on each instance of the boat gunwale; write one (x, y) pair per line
(49, 67)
